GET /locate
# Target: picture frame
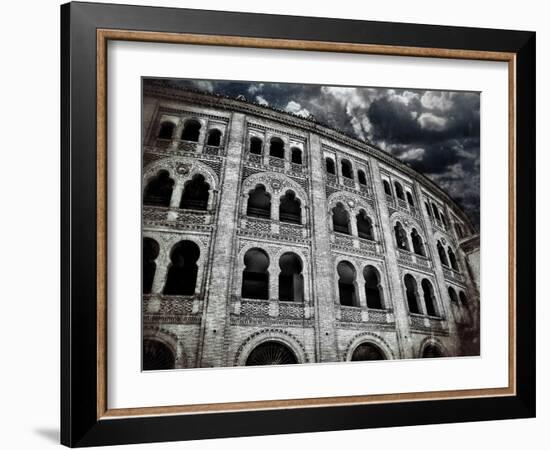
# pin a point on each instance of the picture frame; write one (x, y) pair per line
(86, 418)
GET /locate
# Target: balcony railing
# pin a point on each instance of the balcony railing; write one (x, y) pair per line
(363, 314)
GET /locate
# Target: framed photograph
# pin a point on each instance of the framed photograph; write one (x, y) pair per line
(276, 224)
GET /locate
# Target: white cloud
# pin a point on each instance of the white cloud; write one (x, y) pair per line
(295, 108)
(430, 121)
(437, 100)
(414, 154)
(202, 85)
(254, 88)
(404, 98)
(262, 101)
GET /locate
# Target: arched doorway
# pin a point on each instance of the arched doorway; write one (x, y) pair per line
(195, 194)
(158, 191)
(346, 284)
(367, 352)
(271, 353)
(259, 203)
(157, 356)
(255, 275)
(182, 274)
(432, 351)
(291, 280)
(373, 288)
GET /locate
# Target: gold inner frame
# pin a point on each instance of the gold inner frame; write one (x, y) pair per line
(104, 35)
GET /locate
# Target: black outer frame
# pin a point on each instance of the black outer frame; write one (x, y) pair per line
(79, 424)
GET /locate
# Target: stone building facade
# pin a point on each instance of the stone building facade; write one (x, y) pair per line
(272, 239)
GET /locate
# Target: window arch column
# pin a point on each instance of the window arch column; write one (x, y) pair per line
(161, 272)
(176, 194)
(353, 224)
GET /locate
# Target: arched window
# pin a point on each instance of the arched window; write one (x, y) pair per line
(463, 299)
(271, 353)
(214, 138)
(399, 190)
(367, 352)
(387, 188)
(289, 208)
(150, 252)
(346, 284)
(412, 294)
(444, 219)
(191, 130)
(255, 275)
(436, 212)
(277, 148)
(410, 200)
(182, 274)
(291, 280)
(329, 163)
(255, 145)
(157, 356)
(364, 225)
(373, 288)
(418, 245)
(431, 351)
(428, 210)
(442, 255)
(347, 170)
(452, 258)
(429, 297)
(361, 177)
(159, 190)
(452, 295)
(340, 219)
(166, 130)
(296, 155)
(195, 193)
(259, 203)
(459, 231)
(401, 237)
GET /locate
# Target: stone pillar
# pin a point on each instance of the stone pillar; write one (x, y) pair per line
(440, 289)
(176, 195)
(217, 297)
(161, 272)
(396, 293)
(323, 270)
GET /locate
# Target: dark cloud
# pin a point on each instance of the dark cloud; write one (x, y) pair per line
(434, 132)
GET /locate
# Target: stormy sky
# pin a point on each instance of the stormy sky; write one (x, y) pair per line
(435, 132)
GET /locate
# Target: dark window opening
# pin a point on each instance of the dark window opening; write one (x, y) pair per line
(436, 212)
(452, 258)
(159, 190)
(277, 148)
(373, 288)
(367, 352)
(364, 226)
(340, 219)
(453, 296)
(429, 298)
(256, 145)
(150, 253)
(271, 353)
(401, 237)
(347, 170)
(296, 155)
(399, 190)
(329, 163)
(410, 200)
(442, 255)
(195, 194)
(191, 131)
(387, 188)
(255, 275)
(463, 299)
(428, 210)
(346, 284)
(418, 245)
(412, 294)
(289, 208)
(157, 356)
(259, 203)
(166, 130)
(362, 177)
(459, 231)
(214, 138)
(182, 274)
(291, 280)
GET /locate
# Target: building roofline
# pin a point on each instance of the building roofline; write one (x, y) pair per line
(242, 104)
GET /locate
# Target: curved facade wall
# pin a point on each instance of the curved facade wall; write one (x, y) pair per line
(263, 230)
